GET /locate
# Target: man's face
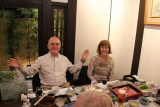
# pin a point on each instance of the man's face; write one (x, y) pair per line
(54, 46)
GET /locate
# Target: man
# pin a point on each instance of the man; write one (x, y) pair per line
(52, 67)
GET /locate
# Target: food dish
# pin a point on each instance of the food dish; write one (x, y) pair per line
(146, 89)
(114, 98)
(129, 78)
(77, 90)
(91, 87)
(70, 93)
(47, 101)
(133, 103)
(55, 89)
(132, 92)
(63, 98)
(51, 93)
(144, 101)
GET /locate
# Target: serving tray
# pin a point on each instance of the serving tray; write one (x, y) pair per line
(134, 96)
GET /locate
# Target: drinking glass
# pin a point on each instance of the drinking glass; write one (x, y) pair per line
(121, 97)
(104, 81)
(39, 91)
(30, 91)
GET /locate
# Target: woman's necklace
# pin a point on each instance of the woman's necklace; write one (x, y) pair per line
(104, 58)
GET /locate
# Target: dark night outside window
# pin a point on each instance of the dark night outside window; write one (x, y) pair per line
(59, 29)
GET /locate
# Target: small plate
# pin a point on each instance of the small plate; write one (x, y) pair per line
(55, 89)
(77, 90)
(144, 100)
(133, 103)
(114, 98)
(70, 93)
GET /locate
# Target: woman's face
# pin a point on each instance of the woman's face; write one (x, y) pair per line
(104, 49)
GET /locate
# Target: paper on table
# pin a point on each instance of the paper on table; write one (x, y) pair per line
(45, 91)
(62, 91)
(111, 82)
(100, 85)
(73, 98)
(33, 95)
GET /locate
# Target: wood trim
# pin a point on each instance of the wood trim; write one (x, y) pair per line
(21, 3)
(59, 4)
(65, 8)
(47, 26)
(139, 38)
(40, 31)
(71, 29)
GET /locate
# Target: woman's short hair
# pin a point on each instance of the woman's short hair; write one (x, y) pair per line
(104, 43)
(94, 99)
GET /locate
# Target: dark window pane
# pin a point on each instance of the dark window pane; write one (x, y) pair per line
(58, 19)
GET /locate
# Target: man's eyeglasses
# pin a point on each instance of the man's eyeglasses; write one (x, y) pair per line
(55, 44)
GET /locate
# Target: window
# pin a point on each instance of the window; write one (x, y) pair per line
(59, 24)
(19, 35)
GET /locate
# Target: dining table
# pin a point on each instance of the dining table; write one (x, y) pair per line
(77, 90)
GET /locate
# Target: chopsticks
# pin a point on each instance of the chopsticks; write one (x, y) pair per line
(65, 85)
(40, 99)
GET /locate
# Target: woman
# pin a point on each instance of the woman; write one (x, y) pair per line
(101, 66)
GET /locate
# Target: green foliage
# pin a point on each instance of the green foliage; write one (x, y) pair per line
(15, 30)
(6, 76)
(4, 14)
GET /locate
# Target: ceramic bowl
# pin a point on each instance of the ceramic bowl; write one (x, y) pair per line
(51, 93)
(133, 103)
(55, 89)
(70, 93)
(47, 101)
(77, 90)
(144, 100)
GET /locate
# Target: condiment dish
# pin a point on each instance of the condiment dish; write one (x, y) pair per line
(133, 103)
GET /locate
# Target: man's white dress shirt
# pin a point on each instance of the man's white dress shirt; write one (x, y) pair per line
(52, 70)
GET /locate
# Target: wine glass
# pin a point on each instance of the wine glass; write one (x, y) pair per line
(104, 81)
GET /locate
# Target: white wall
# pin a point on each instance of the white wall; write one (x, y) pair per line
(123, 33)
(149, 67)
(91, 26)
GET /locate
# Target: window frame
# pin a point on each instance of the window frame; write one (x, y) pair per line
(65, 7)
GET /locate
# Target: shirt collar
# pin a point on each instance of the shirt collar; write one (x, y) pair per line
(52, 55)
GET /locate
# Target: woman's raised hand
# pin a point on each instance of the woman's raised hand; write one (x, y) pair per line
(85, 55)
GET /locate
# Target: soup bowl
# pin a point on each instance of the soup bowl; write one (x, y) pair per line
(47, 101)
